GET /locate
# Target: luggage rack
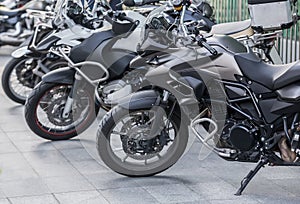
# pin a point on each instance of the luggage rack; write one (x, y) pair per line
(263, 44)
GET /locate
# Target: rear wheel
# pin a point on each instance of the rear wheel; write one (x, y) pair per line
(124, 145)
(45, 106)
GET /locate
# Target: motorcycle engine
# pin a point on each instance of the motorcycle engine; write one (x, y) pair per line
(115, 90)
(240, 135)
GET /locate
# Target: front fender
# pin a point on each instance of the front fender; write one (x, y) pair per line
(62, 76)
(22, 51)
(140, 100)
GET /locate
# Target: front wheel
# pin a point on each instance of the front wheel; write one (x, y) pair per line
(45, 107)
(18, 78)
(124, 145)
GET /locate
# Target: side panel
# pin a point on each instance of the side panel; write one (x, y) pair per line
(200, 64)
(116, 60)
(273, 109)
(290, 93)
(265, 106)
(47, 43)
(235, 92)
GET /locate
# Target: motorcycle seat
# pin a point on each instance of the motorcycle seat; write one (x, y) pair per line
(273, 77)
(10, 12)
(234, 29)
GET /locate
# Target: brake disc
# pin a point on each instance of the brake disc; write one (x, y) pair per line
(135, 146)
(25, 74)
(55, 112)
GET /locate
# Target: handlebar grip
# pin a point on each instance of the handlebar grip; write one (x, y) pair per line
(212, 50)
(109, 19)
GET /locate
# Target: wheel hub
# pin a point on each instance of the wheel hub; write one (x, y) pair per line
(25, 74)
(55, 113)
(136, 144)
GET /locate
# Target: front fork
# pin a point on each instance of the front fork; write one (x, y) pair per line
(70, 99)
(40, 70)
(158, 123)
(79, 82)
(68, 105)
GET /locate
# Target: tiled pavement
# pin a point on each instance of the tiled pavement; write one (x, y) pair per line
(36, 171)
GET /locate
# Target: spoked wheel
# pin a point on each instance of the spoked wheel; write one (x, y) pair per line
(18, 78)
(125, 146)
(44, 111)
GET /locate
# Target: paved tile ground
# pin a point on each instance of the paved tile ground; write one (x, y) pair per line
(36, 171)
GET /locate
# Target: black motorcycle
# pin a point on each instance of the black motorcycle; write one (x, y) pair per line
(237, 105)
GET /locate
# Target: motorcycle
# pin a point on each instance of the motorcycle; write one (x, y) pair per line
(100, 64)
(238, 106)
(39, 54)
(18, 88)
(15, 25)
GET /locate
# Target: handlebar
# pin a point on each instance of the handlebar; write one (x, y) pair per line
(118, 27)
(201, 41)
(108, 19)
(119, 16)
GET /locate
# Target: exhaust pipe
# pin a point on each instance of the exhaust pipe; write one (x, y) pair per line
(286, 153)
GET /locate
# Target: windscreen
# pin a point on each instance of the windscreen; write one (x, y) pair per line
(155, 13)
(159, 32)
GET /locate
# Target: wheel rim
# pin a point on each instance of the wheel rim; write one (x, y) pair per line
(50, 107)
(134, 160)
(18, 80)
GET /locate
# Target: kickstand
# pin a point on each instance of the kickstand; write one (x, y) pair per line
(250, 176)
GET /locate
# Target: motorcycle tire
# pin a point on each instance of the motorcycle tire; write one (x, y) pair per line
(34, 103)
(110, 121)
(13, 66)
